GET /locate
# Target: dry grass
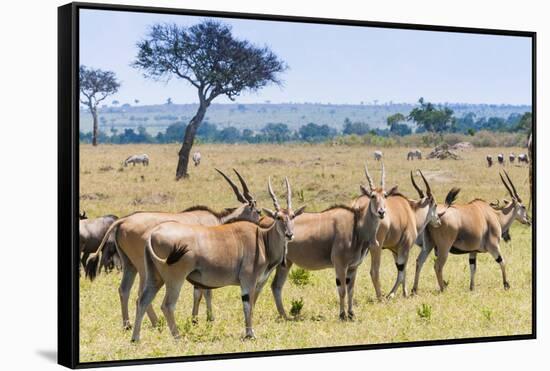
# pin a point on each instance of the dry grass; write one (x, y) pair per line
(322, 175)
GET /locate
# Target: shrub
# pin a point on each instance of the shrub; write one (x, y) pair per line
(296, 307)
(425, 312)
(300, 277)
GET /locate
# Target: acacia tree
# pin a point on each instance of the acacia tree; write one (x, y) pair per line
(95, 86)
(394, 119)
(432, 118)
(209, 58)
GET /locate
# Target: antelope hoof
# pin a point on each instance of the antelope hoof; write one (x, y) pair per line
(445, 284)
(472, 288)
(391, 295)
(249, 335)
(343, 316)
(413, 292)
(127, 326)
(506, 286)
(135, 339)
(351, 315)
(195, 321)
(210, 318)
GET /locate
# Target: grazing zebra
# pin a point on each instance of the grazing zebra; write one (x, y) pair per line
(414, 154)
(137, 159)
(489, 160)
(378, 155)
(197, 158)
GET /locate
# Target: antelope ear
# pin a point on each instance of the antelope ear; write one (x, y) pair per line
(391, 192)
(269, 212)
(299, 211)
(365, 190)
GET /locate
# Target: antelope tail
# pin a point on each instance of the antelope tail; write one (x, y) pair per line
(175, 255)
(92, 264)
(451, 196)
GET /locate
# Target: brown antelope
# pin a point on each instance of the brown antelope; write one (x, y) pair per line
(405, 220)
(338, 238)
(130, 240)
(472, 228)
(240, 253)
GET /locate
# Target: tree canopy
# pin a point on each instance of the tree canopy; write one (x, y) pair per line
(211, 59)
(96, 85)
(431, 118)
(208, 57)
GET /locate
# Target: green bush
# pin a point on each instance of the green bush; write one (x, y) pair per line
(300, 277)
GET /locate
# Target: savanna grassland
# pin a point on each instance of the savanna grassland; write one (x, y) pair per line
(321, 175)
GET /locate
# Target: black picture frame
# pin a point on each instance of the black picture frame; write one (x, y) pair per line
(68, 182)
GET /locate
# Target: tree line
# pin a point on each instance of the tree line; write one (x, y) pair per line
(313, 132)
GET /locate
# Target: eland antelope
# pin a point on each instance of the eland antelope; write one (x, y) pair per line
(240, 253)
(398, 232)
(137, 159)
(472, 228)
(338, 238)
(130, 231)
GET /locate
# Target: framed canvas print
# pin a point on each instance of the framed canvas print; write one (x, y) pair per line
(229, 179)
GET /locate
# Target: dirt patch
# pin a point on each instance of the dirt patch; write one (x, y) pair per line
(154, 199)
(94, 196)
(104, 169)
(271, 160)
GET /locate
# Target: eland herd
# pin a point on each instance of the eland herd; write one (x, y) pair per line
(239, 246)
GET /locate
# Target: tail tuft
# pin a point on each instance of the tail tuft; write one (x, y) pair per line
(451, 196)
(91, 268)
(176, 254)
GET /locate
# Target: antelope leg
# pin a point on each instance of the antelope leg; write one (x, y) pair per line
(197, 296)
(472, 261)
(279, 280)
(350, 283)
(128, 277)
(169, 306)
(424, 253)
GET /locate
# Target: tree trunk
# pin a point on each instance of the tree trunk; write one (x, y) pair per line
(95, 129)
(188, 139)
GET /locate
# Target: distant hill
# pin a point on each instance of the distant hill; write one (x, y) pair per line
(156, 118)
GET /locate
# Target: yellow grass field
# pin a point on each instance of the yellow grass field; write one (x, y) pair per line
(321, 175)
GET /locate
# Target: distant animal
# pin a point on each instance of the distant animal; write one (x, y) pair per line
(378, 155)
(137, 159)
(489, 160)
(512, 157)
(500, 158)
(197, 158)
(414, 154)
(522, 157)
(92, 232)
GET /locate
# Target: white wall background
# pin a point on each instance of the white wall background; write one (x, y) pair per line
(28, 180)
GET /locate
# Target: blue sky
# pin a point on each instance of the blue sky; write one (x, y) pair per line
(330, 63)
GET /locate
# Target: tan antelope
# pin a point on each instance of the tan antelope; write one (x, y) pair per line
(472, 228)
(240, 253)
(130, 239)
(398, 231)
(338, 238)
